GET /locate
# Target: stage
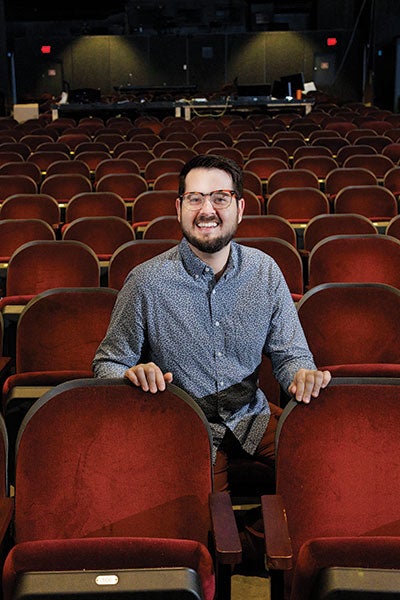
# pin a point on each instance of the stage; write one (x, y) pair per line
(179, 108)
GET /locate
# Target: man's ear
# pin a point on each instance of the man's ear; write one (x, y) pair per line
(241, 206)
(178, 207)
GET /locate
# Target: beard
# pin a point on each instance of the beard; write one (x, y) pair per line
(210, 246)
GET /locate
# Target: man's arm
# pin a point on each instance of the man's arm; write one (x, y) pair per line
(292, 361)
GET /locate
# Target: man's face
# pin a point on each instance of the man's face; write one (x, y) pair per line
(209, 229)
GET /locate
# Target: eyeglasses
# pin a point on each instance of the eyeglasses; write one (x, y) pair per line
(220, 199)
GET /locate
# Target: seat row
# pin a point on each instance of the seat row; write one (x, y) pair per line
(151, 525)
(364, 193)
(286, 146)
(262, 175)
(42, 264)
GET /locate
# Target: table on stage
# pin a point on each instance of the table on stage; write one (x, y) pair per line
(185, 108)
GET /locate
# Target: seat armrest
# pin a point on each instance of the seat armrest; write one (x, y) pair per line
(278, 546)
(228, 547)
(6, 513)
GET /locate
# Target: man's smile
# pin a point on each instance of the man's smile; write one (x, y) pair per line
(207, 225)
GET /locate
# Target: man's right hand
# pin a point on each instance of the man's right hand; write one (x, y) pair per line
(149, 377)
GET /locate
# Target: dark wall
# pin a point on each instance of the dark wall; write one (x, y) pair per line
(208, 61)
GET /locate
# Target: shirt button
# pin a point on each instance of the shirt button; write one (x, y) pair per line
(196, 276)
(213, 292)
(221, 383)
(219, 353)
(216, 323)
(207, 269)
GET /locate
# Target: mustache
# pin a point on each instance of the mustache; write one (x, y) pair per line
(211, 219)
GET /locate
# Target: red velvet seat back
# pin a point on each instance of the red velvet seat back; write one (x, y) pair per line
(131, 254)
(233, 153)
(95, 204)
(41, 265)
(69, 166)
(352, 324)
(392, 180)
(264, 167)
(377, 163)
(337, 467)
(22, 168)
(267, 226)
(333, 143)
(264, 151)
(287, 258)
(167, 181)
(165, 227)
(158, 166)
(355, 258)
(253, 204)
(373, 201)
(292, 178)
(322, 226)
(16, 184)
(393, 227)
(92, 158)
(62, 186)
(140, 156)
(60, 329)
(103, 234)
(31, 206)
(126, 185)
(115, 165)
(44, 158)
(15, 232)
(297, 204)
(320, 165)
(160, 147)
(342, 177)
(152, 204)
(351, 150)
(103, 458)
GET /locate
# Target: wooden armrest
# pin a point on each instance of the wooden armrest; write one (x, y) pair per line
(6, 513)
(278, 547)
(228, 547)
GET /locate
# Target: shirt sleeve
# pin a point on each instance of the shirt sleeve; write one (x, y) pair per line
(286, 343)
(122, 345)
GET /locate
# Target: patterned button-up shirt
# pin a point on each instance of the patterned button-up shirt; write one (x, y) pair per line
(210, 334)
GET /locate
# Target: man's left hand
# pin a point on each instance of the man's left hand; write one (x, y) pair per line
(306, 384)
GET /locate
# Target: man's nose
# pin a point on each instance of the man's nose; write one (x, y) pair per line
(207, 206)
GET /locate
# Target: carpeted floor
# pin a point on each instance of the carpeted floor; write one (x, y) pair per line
(250, 587)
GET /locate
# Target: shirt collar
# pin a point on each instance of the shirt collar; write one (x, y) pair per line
(196, 267)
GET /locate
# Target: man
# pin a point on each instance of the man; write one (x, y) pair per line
(203, 313)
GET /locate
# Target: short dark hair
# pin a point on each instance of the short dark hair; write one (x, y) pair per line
(213, 161)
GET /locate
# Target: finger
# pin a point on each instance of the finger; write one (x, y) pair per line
(312, 386)
(318, 379)
(157, 379)
(141, 376)
(300, 385)
(130, 374)
(326, 377)
(168, 377)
